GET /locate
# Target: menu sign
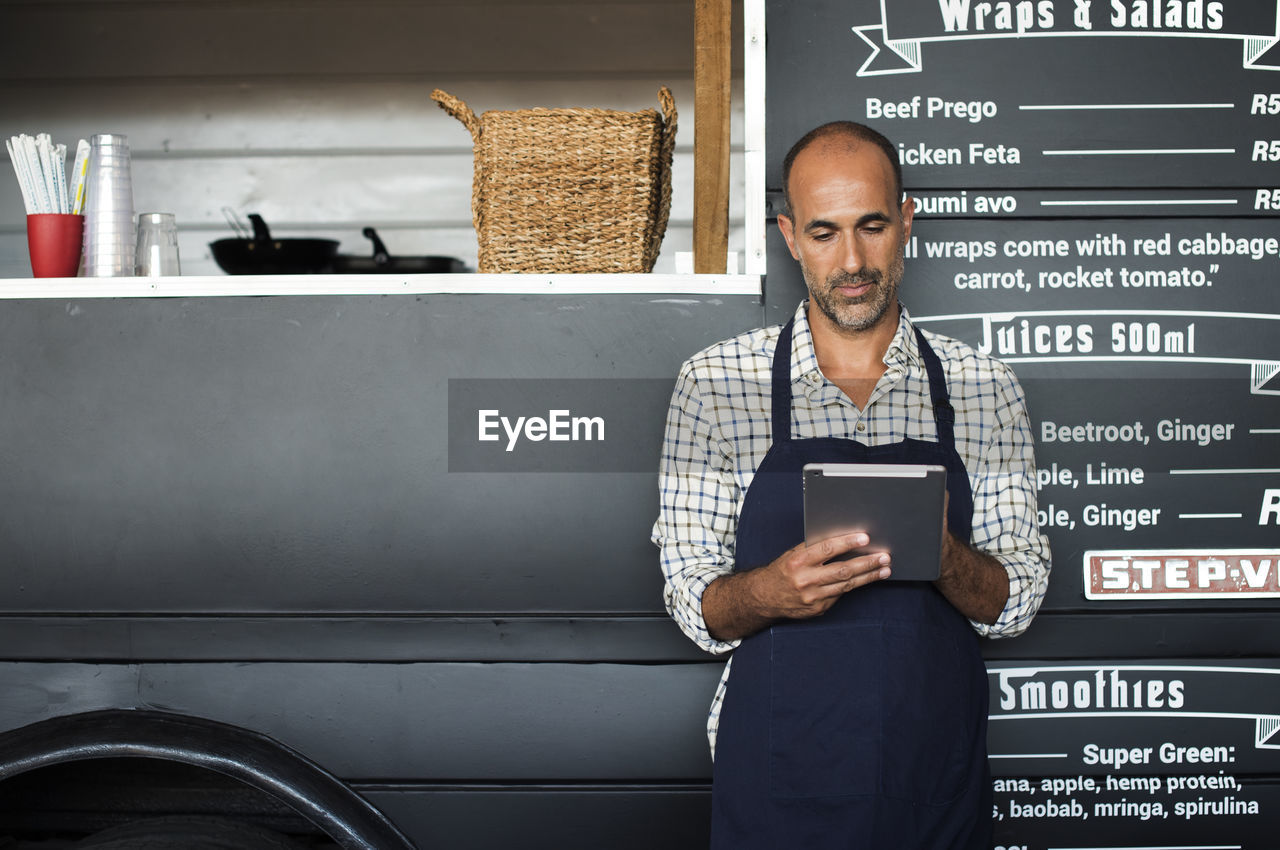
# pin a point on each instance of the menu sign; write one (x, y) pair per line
(1053, 96)
(1097, 203)
(1168, 752)
(905, 27)
(1095, 187)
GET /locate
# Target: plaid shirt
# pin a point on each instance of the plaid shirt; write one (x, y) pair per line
(718, 431)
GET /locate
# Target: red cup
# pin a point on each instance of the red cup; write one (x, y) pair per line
(55, 241)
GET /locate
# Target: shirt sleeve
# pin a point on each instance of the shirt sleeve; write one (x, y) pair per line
(1004, 509)
(697, 517)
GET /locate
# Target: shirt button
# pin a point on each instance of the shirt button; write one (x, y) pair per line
(862, 426)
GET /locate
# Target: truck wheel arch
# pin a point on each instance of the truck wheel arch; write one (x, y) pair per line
(254, 759)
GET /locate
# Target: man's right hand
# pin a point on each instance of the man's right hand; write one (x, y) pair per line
(800, 583)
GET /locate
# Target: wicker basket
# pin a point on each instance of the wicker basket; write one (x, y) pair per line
(569, 190)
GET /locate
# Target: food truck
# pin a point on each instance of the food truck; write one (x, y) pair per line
(363, 559)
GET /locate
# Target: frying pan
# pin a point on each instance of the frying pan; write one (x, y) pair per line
(383, 263)
(264, 254)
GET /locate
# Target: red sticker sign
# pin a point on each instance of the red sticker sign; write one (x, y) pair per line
(1182, 574)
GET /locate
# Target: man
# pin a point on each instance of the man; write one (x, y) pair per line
(853, 712)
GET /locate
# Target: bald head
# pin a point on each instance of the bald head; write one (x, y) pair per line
(841, 134)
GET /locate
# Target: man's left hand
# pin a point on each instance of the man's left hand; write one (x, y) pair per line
(972, 581)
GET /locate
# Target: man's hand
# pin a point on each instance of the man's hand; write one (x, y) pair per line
(798, 584)
(975, 583)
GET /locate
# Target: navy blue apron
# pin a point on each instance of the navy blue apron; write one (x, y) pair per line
(864, 727)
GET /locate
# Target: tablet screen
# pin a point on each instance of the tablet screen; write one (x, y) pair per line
(899, 506)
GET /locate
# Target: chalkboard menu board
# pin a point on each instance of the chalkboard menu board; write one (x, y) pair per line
(1097, 190)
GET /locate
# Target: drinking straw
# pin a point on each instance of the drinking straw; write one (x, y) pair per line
(52, 159)
(60, 177)
(44, 156)
(78, 172)
(36, 171)
(41, 167)
(19, 159)
(38, 174)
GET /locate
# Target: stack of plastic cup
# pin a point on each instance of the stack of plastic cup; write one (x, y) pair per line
(110, 238)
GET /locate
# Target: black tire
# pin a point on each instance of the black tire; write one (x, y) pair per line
(188, 833)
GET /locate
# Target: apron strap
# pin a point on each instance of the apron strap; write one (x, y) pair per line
(943, 413)
(781, 386)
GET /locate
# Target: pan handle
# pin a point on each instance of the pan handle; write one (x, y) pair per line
(260, 231)
(380, 255)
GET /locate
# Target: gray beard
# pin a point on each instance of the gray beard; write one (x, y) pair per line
(878, 299)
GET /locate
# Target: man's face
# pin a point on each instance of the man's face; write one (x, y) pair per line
(848, 231)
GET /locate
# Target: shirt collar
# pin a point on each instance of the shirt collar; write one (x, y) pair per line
(903, 351)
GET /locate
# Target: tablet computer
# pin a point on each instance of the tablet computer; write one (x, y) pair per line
(899, 506)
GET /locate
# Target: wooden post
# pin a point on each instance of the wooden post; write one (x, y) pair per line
(713, 54)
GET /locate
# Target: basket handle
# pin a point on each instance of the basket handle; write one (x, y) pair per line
(668, 117)
(458, 109)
